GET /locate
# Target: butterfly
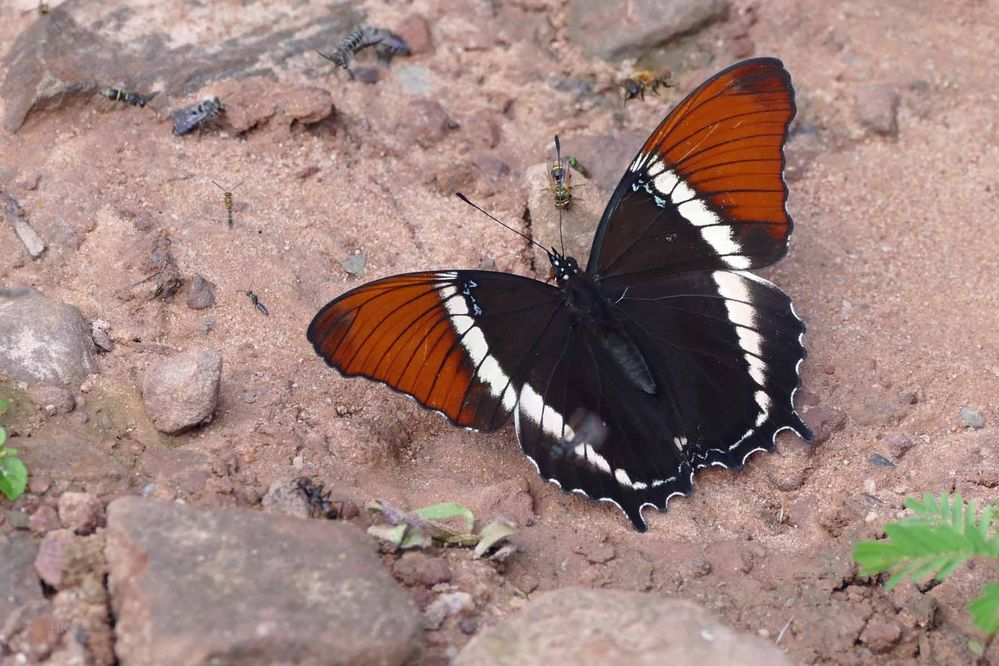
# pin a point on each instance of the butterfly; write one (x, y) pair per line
(665, 341)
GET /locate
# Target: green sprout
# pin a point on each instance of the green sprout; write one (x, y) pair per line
(943, 535)
(13, 473)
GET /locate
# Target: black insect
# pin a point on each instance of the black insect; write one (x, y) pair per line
(558, 173)
(189, 118)
(135, 99)
(43, 7)
(387, 45)
(644, 80)
(256, 302)
(228, 202)
(320, 504)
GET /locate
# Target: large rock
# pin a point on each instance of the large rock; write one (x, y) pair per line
(580, 626)
(44, 340)
(181, 391)
(602, 29)
(192, 586)
(72, 53)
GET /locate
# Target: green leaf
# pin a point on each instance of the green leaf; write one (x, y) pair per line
(3, 436)
(3, 406)
(941, 537)
(448, 511)
(976, 647)
(985, 609)
(492, 534)
(13, 477)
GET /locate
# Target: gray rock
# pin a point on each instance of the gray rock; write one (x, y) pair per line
(18, 582)
(876, 107)
(194, 586)
(44, 340)
(181, 391)
(583, 627)
(201, 293)
(971, 419)
(285, 497)
(602, 29)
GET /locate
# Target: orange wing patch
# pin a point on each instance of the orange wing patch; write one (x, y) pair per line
(725, 141)
(397, 331)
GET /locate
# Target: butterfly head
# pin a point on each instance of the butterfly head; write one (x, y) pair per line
(563, 267)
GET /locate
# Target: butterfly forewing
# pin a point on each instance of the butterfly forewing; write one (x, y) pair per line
(455, 341)
(706, 190)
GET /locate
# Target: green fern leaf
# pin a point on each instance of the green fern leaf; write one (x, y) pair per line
(985, 609)
(941, 537)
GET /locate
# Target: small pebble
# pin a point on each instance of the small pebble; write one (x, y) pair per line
(879, 460)
(971, 419)
(201, 294)
(354, 264)
(869, 486)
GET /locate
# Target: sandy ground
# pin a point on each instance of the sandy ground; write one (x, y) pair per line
(892, 266)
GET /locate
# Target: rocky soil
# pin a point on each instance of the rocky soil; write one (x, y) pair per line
(164, 417)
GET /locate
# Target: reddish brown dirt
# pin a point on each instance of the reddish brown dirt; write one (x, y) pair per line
(892, 266)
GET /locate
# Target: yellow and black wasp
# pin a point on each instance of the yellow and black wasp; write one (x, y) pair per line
(228, 201)
(641, 81)
(558, 174)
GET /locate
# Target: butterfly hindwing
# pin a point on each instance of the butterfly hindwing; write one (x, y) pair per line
(706, 190)
(453, 340)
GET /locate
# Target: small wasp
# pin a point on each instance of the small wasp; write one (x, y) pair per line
(636, 84)
(135, 99)
(186, 119)
(558, 173)
(387, 44)
(256, 302)
(228, 201)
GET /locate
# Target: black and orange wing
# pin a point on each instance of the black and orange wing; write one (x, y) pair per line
(459, 342)
(706, 190)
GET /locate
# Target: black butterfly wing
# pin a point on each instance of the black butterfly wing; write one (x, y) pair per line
(703, 200)
(459, 342)
(588, 429)
(706, 190)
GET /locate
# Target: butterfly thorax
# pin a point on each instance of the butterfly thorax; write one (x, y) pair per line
(592, 311)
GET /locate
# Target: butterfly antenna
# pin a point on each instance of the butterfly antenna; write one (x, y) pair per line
(524, 236)
(558, 158)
